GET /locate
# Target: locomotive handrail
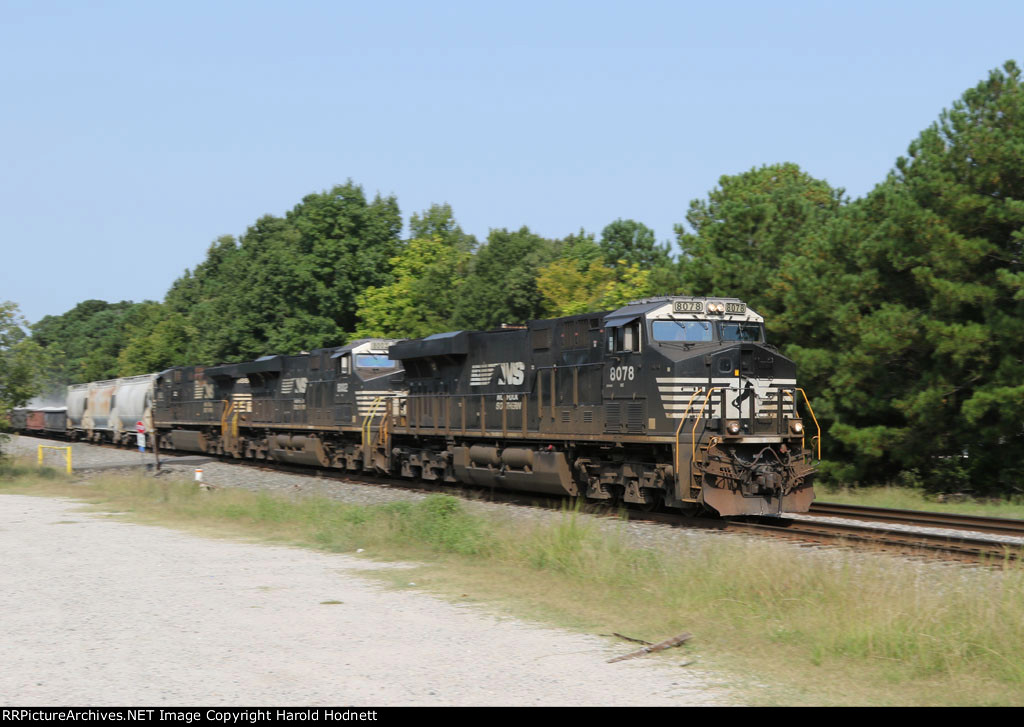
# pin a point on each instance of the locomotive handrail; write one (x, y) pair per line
(426, 394)
(368, 420)
(679, 429)
(228, 406)
(571, 366)
(385, 422)
(813, 418)
(693, 432)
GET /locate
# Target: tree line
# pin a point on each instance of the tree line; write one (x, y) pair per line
(904, 309)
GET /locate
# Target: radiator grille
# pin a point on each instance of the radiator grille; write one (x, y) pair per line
(612, 416)
(636, 412)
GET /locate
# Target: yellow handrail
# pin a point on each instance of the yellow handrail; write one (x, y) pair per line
(680, 427)
(813, 418)
(385, 423)
(228, 406)
(693, 432)
(368, 419)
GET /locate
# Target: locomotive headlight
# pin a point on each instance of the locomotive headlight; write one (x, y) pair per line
(796, 426)
(733, 427)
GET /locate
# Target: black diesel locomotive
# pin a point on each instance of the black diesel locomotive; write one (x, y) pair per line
(674, 401)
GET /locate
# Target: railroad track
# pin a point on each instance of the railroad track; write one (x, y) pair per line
(914, 542)
(921, 518)
(962, 548)
(955, 547)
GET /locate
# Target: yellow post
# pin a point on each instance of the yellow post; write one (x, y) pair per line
(67, 455)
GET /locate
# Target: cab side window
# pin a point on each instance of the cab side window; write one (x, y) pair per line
(631, 337)
(624, 338)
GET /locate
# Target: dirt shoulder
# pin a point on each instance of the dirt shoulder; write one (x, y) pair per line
(101, 612)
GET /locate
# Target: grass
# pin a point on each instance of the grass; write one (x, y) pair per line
(907, 498)
(788, 625)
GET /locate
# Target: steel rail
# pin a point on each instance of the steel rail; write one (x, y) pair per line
(959, 547)
(921, 518)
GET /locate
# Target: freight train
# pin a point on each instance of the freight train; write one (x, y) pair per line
(675, 402)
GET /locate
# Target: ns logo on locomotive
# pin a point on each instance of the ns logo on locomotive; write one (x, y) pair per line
(672, 401)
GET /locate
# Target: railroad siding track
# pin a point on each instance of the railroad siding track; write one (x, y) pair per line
(915, 542)
(921, 518)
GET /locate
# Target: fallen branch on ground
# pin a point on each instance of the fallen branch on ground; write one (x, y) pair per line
(660, 646)
(630, 638)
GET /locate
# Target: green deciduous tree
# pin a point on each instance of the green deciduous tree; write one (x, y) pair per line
(568, 290)
(86, 341)
(439, 221)
(502, 283)
(157, 338)
(429, 275)
(633, 242)
(582, 280)
(288, 283)
(22, 362)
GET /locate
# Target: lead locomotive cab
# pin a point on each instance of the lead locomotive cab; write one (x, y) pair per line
(724, 396)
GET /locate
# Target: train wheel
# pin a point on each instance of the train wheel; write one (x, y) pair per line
(656, 503)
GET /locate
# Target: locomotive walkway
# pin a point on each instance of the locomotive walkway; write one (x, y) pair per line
(101, 612)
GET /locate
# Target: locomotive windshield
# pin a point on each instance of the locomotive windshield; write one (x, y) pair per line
(682, 331)
(742, 331)
(691, 331)
(374, 361)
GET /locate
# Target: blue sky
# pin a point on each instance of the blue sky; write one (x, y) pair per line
(134, 134)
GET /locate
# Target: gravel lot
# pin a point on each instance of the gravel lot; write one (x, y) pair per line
(101, 612)
(150, 616)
